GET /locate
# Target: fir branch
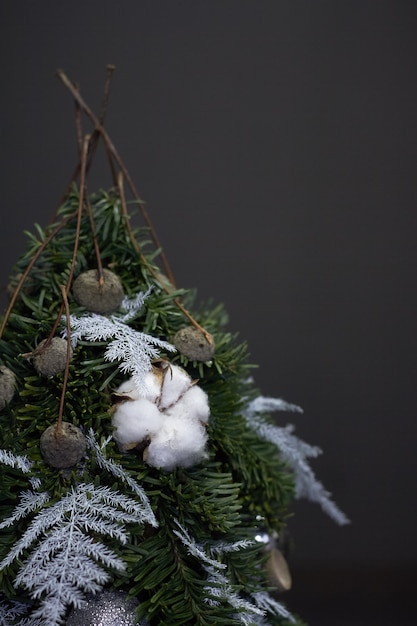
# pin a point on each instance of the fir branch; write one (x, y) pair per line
(116, 470)
(16, 461)
(294, 451)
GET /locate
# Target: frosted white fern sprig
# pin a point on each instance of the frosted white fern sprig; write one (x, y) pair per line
(9, 611)
(295, 452)
(266, 404)
(218, 586)
(266, 602)
(135, 350)
(132, 306)
(15, 460)
(222, 547)
(66, 562)
(12, 614)
(116, 470)
(29, 501)
(195, 549)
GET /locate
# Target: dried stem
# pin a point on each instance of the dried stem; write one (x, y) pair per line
(83, 162)
(135, 244)
(114, 153)
(125, 213)
(95, 134)
(64, 291)
(78, 128)
(29, 267)
(111, 150)
(95, 242)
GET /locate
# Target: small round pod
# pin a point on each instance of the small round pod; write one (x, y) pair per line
(7, 386)
(63, 447)
(51, 358)
(98, 296)
(194, 344)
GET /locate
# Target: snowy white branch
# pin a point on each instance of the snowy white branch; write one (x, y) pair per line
(294, 452)
(29, 501)
(119, 472)
(66, 562)
(11, 611)
(133, 349)
(13, 460)
(196, 549)
(218, 586)
(264, 601)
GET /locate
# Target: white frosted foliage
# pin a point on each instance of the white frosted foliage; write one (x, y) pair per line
(133, 350)
(294, 451)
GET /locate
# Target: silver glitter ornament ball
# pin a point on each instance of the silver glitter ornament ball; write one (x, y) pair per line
(108, 608)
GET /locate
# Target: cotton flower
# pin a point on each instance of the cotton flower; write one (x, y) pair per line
(168, 417)
(136, 421)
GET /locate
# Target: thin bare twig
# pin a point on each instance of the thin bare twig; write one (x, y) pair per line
(64, 291)
(83, 162)
(95, 242)
(95, 134)
(112, 150)
(78, 128)
(29, 267)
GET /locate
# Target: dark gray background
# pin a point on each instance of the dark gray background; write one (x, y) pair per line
(275, 144)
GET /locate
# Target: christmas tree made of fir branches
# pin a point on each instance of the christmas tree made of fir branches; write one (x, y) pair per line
(137, 456)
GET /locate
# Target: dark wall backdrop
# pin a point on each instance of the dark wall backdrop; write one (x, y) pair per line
(276, 145)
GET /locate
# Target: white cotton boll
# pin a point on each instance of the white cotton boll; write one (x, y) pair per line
(193, 405)
(175, 383)
(152, 384)
(135, 420)
(129, 389)
(180, 442)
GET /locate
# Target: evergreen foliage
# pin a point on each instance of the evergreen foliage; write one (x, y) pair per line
(181, 541)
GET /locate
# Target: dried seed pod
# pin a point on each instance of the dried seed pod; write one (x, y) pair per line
(51, 359)
(7, 385)
(194, 344)
(63, 447)
(99, 297)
